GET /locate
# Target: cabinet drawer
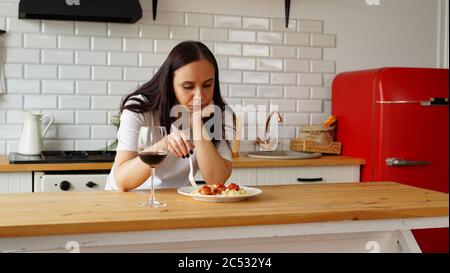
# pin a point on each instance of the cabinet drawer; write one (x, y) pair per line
(16, 182)
(321, 174)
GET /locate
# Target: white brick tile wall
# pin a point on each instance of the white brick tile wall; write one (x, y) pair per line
(40, 71)
(241, 63)
(284, 105)
(269, 65)
(283, 78)
(296, 39)
(71, 131)
(40, 101)
(13, 71)
(62, 117)
(106, 73)
(309, 106)
(323, 40)
(296, 66)
(74, 102)
(12, 39)
(242, 91)
(255, 50)
(320, 93)
(323, 67)
(270, 92)
(138, 45)
(16, 55)
(57, 27)
(123, 30)
(256, 77)
(102, 43)
(183, 33)
(89, 145)
(39, 41)
(11, 101)
(270, 37)
(296, 119)
(154, 60)
(156, 32)
(255, 23)
(213, 34)
(122, 59)
(104, 132)
(279, 24)
(283, 51)
(91, 87)
(91, 117)
(58, 87)
(310, 53)
(80, 71)
(90, 58)
(90, 28)
(122, 88)
(138, 74)
(73, 42)
(310, 26)
(227, 49)
(21, 86)
(16, 25)
(242, 36)
(49, 56)
(296, 92)
(305, 79)
(72, 72)
(104, 103)
(164, 46)
(199, 19)
(228, 21)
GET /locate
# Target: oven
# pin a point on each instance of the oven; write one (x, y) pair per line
(66, 181)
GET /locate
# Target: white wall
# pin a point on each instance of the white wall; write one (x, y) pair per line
(443, 22)
(396, 33)
(79, 71)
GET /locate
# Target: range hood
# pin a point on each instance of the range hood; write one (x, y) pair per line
(121, 11)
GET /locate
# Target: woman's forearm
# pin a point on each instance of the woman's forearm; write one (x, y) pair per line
(213, 167)
(131, 174)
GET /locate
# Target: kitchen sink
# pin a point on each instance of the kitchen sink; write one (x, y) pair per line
(283, 155)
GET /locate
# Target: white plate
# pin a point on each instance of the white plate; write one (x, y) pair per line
(219, 198)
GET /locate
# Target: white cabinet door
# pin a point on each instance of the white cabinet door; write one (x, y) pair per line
(319, 174)
(16, 182)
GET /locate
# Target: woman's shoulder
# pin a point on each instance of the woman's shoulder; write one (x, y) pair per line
(148, 117)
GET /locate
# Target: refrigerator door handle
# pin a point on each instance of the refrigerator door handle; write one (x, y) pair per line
(400, 162)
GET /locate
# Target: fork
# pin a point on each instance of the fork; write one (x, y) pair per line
(191, 173)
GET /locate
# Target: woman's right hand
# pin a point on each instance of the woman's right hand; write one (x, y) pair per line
(179, 145)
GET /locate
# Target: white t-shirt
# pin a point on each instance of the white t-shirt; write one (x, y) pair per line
(173, 171)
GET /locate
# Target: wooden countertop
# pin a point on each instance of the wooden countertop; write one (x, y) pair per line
(34, 214)
(238, 162)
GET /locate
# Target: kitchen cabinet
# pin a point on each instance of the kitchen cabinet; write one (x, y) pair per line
(16, 182)
(290, 175)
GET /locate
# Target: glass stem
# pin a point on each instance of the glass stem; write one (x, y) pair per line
(152, 186)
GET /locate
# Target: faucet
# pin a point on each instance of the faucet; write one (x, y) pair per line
(266, 141)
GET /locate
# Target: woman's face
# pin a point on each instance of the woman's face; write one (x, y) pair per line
(194, 79)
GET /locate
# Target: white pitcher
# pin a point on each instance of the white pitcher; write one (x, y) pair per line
(32, 134)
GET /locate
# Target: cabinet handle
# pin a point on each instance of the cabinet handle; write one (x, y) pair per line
(318, 179)
(401, 162)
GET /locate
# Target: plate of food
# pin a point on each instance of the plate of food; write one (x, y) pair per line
(219, 193)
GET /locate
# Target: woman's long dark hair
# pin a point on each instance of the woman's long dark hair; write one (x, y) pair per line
(159, 93)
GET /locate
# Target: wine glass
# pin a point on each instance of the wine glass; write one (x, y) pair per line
(152, 149)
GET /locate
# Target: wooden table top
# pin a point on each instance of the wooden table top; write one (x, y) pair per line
(35, 214)
(238, 162)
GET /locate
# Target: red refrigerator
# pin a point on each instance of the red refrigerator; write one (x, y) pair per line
(397, 120)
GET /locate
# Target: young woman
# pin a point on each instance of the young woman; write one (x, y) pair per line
(190, 71)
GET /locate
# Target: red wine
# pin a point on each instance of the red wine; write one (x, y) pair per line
(152, 158)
